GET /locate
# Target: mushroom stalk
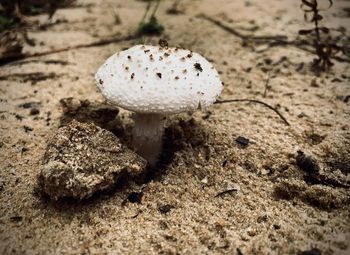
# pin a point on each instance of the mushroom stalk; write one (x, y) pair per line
(147, 135)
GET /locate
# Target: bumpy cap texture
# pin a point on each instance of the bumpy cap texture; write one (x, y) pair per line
(151, 79)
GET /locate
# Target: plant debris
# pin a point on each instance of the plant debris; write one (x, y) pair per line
(163, 43)
(225, 192)
(150, 26)
(165, 208)
(324, 48)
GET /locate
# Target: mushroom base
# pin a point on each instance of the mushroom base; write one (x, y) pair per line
(148, 135)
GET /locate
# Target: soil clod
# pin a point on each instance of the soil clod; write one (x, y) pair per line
(82, 159)
(307, 163)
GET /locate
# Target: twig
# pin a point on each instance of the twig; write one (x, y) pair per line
(262, 39)
(20, 56)
(155, 8)
(257, 102)
(272, 41)
(146, 11)
(225, 192)
(267, 84)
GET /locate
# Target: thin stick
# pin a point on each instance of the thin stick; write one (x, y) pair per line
(272, 41)
(280, 38)
(254, 101)
(155, 8)
(146, 12)
(267, 84)
(20, 56)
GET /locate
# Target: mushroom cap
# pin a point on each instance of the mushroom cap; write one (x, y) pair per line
(151, 79)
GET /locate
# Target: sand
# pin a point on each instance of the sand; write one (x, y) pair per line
(274, 206)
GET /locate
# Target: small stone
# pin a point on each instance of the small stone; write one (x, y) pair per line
(302, 115)
(205, 180)
(34, 111)
(313, 83)
(82, 159)
(242, 140)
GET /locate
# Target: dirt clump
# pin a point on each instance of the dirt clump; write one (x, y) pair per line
(320, 196)
(82, 158)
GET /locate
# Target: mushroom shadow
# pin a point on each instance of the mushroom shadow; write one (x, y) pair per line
(180, 135)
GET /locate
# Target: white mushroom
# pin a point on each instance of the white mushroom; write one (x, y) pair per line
(154, 82)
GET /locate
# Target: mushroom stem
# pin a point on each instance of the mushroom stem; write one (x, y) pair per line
(147, 135)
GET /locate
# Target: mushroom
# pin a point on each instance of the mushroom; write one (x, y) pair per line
(151, 82)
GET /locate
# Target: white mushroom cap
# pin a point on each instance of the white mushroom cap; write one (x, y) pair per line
(162, 80)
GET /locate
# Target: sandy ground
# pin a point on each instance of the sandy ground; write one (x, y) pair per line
(274, 211)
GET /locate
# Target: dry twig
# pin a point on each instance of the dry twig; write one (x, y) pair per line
(22, 56)
(257, 102)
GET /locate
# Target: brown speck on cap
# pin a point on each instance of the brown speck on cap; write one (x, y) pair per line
(177, 77)
(127, 68)
(189, 55)
(159, 75)
(100, 81)
(166, 54)
(163, 43)
(129, 57)
(151, 57)
(198, 67)
(182, 59)
(184, 71)
(146, 68)
(197, 74)
(160, 58)
(146, 51)
(132, 76)
(143, 46)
